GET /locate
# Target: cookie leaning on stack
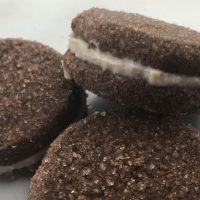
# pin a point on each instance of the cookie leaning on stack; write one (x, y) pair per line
(36, 103)
(136, 60)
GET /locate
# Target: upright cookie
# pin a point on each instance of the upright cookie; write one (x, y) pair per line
(121, 155)
(136, 60)
(36, 102)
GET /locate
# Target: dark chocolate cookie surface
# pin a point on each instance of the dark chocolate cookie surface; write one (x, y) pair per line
(36, 101)
(121, 155)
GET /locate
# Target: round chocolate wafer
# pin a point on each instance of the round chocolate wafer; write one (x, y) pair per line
(121, 155)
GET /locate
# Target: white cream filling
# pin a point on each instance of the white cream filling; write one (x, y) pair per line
(24, 163)
(127, 67)
(66, 73)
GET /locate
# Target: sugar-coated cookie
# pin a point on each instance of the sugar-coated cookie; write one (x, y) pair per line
(36, 102)
(136, 60)
(121, 155)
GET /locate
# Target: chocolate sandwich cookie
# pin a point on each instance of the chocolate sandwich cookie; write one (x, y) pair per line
(121, 155)
(36, 102)
(136, 60)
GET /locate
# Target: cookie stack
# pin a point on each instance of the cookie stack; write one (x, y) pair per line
(128, 154)
(142, 151)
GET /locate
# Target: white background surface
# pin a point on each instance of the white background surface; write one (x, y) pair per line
(48, 21)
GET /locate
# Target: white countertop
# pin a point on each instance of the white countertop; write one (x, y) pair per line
(48, 21)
